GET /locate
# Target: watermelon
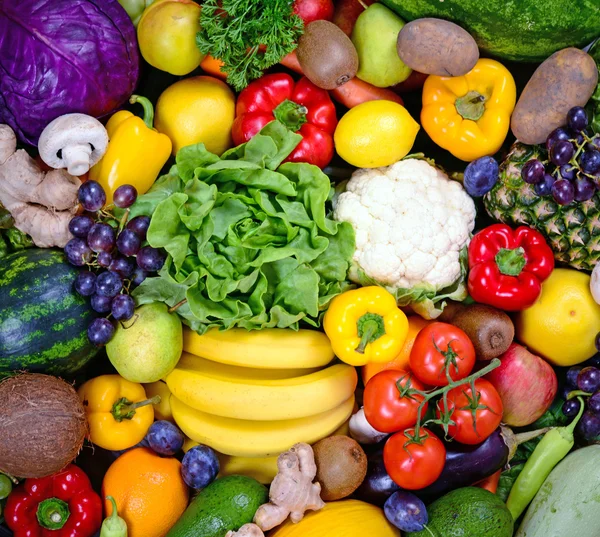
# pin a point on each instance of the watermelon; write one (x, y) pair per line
(43, 322)
(520, 30)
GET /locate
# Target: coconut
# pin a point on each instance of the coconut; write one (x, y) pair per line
(42, 425)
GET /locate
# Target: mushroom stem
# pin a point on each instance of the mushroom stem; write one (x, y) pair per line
(77, 158)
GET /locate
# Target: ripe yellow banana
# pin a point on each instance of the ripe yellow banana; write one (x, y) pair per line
(271, 348)
(245, 438)
(253, 394)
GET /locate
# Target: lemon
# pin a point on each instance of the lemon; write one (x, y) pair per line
(197, 109)
(375, 133)
(562, 325)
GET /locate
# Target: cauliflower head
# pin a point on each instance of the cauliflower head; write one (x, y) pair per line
(412, 226)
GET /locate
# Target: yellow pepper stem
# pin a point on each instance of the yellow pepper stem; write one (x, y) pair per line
(124, 409)
(471, 106)
(370, 328)
(148, 109)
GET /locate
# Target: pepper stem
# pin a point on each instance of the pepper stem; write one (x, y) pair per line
(511, 262)
(148, 109)
(370, 328)
(124, 409)
(52, 513)
(471, 106)
(571, 427)
(291, 114)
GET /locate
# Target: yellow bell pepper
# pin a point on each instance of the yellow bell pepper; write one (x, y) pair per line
(365, 325)
(117, 410)
(136, 151)
(469, 115)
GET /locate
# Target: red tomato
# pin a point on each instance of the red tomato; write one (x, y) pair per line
(414, 466)
(387, 409)
(438, 348)
(485, 407)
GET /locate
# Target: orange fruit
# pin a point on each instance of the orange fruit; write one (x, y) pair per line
(401, 361)
(149, 490)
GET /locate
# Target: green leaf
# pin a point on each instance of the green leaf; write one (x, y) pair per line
(159, 191)
(190, 157)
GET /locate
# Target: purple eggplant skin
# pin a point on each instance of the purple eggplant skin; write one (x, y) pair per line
(378, 485)
(466, 465)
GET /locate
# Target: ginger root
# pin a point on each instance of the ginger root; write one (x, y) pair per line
(247, 530)
(41, 203)
(292, 491)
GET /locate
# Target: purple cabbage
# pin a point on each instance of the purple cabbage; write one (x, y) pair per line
(63, 56)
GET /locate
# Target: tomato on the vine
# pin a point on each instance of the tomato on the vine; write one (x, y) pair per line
(441, 348)
(413, 466)
(390, 401)
(476, 416)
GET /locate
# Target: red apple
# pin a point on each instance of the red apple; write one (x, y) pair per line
(526, 383)
(314, 10)
(346, 13)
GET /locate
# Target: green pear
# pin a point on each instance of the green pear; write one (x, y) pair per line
(148, 347)
(375, 36)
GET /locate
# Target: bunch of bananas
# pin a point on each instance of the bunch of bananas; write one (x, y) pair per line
(255, 394)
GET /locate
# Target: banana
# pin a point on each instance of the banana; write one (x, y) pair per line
(271, 348)
(253, 394)
(245, 438)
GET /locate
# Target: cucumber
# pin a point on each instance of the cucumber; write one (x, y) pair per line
(226, 504)
(468, 512)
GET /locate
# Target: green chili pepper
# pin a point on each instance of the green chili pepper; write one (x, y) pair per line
(554, 447)
(114, 525)
(135, 8)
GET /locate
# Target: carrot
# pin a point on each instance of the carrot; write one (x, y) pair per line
(353, 92)
(490, 483)
(212, 66)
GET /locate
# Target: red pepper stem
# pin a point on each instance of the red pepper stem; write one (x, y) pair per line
(511, 262)
(291, 114)
(52, 513)
(148, 109)
(124, 409)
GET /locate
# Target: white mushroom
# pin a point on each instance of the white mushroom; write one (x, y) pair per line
(362, 431)
(73, 141)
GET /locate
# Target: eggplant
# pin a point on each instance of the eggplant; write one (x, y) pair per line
(378, 485)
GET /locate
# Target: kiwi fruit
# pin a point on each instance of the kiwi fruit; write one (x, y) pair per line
(326, 54)
(491, 331)
(341, 466)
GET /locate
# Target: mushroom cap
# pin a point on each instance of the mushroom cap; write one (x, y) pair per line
(69, 131)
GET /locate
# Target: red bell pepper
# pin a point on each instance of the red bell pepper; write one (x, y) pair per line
(507, 267)
(61, 505)
(302, 107)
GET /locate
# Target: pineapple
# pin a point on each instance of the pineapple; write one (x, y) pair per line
(572, 231)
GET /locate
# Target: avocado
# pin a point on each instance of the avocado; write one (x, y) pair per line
(226, 504)
(468, 512)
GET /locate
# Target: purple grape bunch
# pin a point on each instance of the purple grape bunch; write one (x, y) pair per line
(584, 381)
(113, 254)
(572, 171)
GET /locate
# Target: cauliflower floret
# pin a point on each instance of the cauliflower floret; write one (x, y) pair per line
(411, 223)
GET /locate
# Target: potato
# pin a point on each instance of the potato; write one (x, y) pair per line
(437, 47)
(566, 79)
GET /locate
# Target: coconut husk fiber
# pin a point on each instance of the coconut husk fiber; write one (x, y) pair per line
(42, 425)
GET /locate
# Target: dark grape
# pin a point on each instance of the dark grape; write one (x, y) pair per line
(480, 176)
(85, 283)
(544, 187)
(104, 259)
(91, 196)
(585, 189)
(78, 252)
(557, 135)
(577, 118)
(125, 196)
(128, 242)
(597, 341)
(571, 408)
(405, 511)
(108, 284)
(589, 426)
(80, 226)
(589, 161)
(165, 438)
(150, 259)
(595, 143)
(101, 238)
(199, 467)
(572, 375)
(594, 360)
(100, 331)
(594, 404)
(588, 379)
(568, 171)
(533, 171)
(139, 225)
(123, 267)
(122, 307)
(563, 192)
(101, 304)
(139, 275)
(561, 152)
